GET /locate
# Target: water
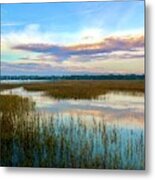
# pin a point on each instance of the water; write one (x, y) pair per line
(106, 132)
(128, 108)
(21, 81)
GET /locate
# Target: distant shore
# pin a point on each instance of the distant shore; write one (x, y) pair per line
(73, 77)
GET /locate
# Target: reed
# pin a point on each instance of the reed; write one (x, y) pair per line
(35, 139)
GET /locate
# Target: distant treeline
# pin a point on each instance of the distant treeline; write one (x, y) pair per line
(77, 77)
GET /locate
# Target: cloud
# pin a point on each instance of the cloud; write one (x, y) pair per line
(31, 68)
(29, 34)
(89, 51)
(74, 65)
(107, 45)
(10, 24)
(32, 34)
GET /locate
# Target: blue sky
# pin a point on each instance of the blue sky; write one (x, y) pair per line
(73, 38)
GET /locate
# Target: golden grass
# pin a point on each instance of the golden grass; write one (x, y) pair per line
(81, 89)
(85, 89)
(8, 86)
(12, 107)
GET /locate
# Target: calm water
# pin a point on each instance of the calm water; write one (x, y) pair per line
(106, 132)
(20, 81)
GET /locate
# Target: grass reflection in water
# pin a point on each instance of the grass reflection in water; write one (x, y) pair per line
(30, 138)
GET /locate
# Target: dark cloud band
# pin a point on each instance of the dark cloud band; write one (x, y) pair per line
(107, 45)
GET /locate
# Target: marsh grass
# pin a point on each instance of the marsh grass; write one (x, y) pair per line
(78, 89)
(8, 86)
(35, 139)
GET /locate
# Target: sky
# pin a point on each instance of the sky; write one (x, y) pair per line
(73, 38)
